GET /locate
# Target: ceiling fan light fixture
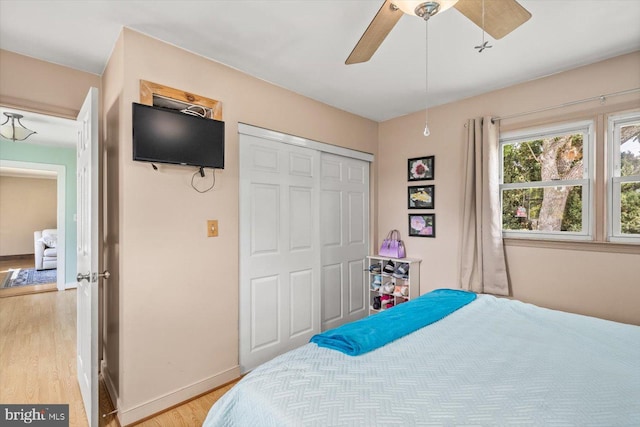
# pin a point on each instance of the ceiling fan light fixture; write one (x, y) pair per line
(9, 130)
(423, 9)
(502, 17)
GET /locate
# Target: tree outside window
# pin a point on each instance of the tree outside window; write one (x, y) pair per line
(624, 179)
(546, 181)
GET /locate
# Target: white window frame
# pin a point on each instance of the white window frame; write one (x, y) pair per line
(586, 127)
(614, 180)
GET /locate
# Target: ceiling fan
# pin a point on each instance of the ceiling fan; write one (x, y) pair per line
(500, 17)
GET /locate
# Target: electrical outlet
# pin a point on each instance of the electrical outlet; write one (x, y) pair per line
(212, 228)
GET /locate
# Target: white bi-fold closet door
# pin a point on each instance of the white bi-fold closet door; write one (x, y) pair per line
(344, 238)
(304, 232)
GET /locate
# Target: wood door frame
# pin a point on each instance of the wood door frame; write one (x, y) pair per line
(61, 216)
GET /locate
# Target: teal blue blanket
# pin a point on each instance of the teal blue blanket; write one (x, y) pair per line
(370, 333)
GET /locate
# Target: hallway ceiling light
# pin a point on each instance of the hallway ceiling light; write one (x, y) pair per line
(9, 130)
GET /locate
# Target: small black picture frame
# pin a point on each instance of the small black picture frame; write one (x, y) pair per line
(421, 197)
(422, 225)
(421, 168)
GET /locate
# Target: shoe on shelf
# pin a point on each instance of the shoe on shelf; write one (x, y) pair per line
(375, 286)
(386, 301)
(375, 268)
(388, 288)
(401, 291)
(389, 267)
(402, 272)
(376, 303)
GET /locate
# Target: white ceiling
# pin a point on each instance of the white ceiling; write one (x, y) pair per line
(302, 45)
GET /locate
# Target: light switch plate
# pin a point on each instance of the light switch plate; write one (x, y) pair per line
(212, 228)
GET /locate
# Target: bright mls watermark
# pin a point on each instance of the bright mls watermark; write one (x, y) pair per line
(34, 415)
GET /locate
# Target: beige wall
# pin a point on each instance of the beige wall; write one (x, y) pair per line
(178, 288)
(594, 283)
(43, 87)
(28, 204)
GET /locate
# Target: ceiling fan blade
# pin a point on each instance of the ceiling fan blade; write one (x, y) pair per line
(376, 32)
(500, 16)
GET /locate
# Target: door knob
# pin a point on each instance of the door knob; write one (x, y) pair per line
(89, 278)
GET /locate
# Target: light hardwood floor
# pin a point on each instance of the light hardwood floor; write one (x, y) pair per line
(38, 361)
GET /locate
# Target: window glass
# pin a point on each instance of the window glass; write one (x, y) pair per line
(543, 209)
(624, 178)
(629, 150)
(630, 208)
(544, 159)
(546, 181)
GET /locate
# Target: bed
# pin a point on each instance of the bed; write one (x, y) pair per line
(492, 362)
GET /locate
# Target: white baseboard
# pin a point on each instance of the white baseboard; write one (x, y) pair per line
(131, 415)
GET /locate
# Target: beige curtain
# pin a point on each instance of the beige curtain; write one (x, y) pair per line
(482, 268)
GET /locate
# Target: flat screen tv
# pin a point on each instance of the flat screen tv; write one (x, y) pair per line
(162, 135)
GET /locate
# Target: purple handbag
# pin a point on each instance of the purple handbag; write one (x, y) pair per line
(392, 246)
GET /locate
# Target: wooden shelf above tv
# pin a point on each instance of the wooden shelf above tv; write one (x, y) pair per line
(149, 89)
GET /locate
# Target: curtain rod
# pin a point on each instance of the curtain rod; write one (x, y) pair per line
(602, 99)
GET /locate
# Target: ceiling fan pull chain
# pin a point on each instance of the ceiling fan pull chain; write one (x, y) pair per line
(426, 132)
(484, 45)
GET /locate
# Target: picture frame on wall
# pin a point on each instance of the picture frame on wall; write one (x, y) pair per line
(422, 225)
(421, 197)
(421, 168)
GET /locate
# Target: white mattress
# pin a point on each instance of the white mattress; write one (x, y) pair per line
(493, 362)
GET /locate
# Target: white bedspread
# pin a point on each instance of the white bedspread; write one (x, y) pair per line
(493, 362)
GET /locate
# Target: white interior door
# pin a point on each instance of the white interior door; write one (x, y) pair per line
(344, 225)
(87, 251)
(279, 248)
